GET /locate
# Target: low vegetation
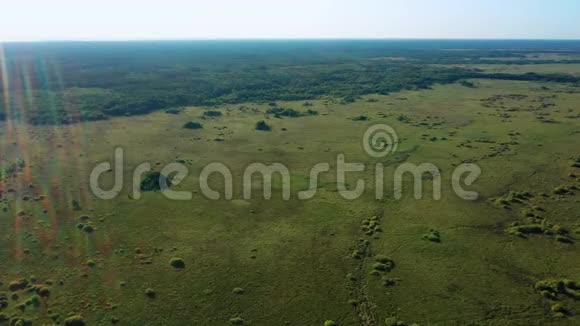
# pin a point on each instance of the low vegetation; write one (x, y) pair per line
(263, 126)
(192, 125)
(507, 257)
(152, 181)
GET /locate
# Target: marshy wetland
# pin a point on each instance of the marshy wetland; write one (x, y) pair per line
(510, 257)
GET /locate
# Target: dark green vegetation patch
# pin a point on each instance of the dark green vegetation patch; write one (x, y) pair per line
(148, 76)
(263, 126)
(152, 181)
(193, 125)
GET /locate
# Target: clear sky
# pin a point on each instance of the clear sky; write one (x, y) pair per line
(24, 20)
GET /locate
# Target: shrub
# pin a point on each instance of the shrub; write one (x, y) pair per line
(570, 284)
(349, 99)
(380, 267)
(152, 179)
(212, 114)
(177, 262)
(394, 321)
(387, 282)
(3, 300)
(262, 126)
(43, 291)
(467, 84)
(76, 206)
(192, 125)
(382, 259)
(17, 321)
(236, 321)
(561, 190)
(564, 239)
(88, 228)
(403, 119)
(17, 285)
(238, 291)
(33, 301)
(174, 110)
(150, 293)
(551, 288)
(76, 320)
(280, 112)
(526, 229)
(432, 236)
(329, 323)
(360, 118)
(558, 308)
(548, 295)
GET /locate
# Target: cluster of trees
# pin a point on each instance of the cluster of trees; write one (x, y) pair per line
(89, 81)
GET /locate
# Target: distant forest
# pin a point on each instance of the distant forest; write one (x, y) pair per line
(66, 82)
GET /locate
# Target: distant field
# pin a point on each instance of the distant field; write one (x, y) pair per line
(539, 56)
(555, 68)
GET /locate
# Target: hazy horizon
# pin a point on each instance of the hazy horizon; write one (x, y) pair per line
(108, 20)
(286, 39)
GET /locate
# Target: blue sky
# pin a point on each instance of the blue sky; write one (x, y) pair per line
(25, 20)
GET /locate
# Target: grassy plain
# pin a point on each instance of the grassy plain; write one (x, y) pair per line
(547, 68)
(294, 259)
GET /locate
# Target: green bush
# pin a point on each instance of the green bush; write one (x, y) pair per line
(262, 126)
(152, 181)
(360, 118)
(280, 112)
(174, 110)
(382, 259)
(238, 291)
(381, 267)
(150, 293)
(177, 262)
(193, 125)
(212, 114)
(467, 84)
(88, 228)
(432, 236)
(76, 320)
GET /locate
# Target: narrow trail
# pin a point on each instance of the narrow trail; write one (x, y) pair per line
(363, 304)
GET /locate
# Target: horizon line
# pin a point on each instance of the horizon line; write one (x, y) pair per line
(80, 40)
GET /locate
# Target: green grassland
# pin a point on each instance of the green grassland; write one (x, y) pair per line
(304, 262)
(547, 68)
(537, 62)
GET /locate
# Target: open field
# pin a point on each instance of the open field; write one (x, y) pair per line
(296, 262)
(548, 68)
